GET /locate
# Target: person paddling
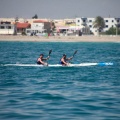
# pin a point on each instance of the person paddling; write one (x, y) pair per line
(64, 60)
(41, 60)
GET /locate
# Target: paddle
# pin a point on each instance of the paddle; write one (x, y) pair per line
(74, 53)
(48, 57)
(50, 52)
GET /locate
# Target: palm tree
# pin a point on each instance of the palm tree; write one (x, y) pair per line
(99, 23)
(35, 16)
(117, 24)
(53, 27)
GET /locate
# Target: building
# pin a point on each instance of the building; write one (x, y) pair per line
(109, 22)
(21, 27)
(83, 24)
(39, 27)
(7, 28)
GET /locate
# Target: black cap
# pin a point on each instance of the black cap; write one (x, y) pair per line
(41, 55)
(64, 54)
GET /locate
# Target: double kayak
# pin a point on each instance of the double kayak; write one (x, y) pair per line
(59, 65)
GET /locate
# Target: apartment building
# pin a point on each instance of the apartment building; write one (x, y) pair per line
(109, 22)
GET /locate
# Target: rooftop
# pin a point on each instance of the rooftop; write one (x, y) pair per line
(23, 25)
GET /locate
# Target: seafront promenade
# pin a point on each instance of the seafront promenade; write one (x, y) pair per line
(60, 38)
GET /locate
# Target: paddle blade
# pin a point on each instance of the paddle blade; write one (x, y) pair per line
(75, 52)
(50, 52)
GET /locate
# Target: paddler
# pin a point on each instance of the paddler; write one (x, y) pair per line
(41, 60)
(64, 60)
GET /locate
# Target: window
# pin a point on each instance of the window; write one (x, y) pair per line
(112, 20)
(36, 31)
(90, 20)
(9, 27)
(106, 21)
(83, 20)
(28, 31)
(106, 26)
(78, 20)
(90, 26)
(2, 27)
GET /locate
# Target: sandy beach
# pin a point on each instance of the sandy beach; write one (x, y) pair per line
(60, 38)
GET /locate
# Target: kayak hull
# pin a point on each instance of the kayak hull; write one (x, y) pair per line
(59, 65)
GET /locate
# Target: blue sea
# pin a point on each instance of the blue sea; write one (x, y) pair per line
(59, 93)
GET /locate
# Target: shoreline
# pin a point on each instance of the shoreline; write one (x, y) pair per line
(86, 38)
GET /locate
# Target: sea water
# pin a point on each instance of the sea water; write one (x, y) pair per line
(59, 93)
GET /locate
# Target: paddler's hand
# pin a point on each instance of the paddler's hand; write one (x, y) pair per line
(71, 58)
(48, 57)
(68, 64)
(45, 64)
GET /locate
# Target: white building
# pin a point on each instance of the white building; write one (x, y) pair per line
(7, 28)
(36, 29)
(109, 22)
(39, 28)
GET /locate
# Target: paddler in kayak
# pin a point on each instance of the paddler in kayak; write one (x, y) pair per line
(40, 60)
(64, 60)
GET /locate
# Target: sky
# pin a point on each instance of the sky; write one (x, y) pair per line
(59, 9)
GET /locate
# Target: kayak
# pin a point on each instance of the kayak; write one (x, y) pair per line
(59, 65)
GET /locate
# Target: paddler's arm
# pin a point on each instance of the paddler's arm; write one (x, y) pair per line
(69, 58)
(46, 58)
(65, 63)
(42, 62)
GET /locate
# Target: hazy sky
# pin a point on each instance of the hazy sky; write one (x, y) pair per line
(59, 8)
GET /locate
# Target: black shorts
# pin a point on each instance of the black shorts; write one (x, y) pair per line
(61, 63)
(39, 63)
